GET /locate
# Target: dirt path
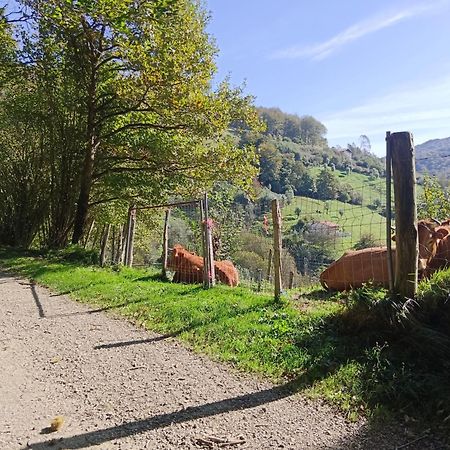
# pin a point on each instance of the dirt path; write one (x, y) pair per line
(119, 387)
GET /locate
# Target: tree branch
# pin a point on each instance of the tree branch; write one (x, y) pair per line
(136, 126)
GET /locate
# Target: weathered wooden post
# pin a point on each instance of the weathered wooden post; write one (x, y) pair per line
(269, 265)
(291, 280)
(390, 265)
(129, 242)
(113, 244)
(88, 235)
(126, 235)
(121, 245)
(132, 233)
(165, 254)
(277, 243)
(104, 242)
(407, 246)
(208, 241)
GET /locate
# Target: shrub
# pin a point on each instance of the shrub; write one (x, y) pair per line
(366, 240)
(75, 254)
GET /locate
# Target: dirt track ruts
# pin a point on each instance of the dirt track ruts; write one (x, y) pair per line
(120, 387)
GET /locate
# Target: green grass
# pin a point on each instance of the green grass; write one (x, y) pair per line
(309, 343)
(354, 220)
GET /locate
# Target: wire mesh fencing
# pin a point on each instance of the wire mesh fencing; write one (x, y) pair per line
(169, 239)
(317, 232)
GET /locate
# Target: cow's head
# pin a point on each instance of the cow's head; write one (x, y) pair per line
(429, 234)
(175, 255)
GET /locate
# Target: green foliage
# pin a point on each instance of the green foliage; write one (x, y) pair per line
(305, 130)
(74, 254)
(311, 250)
(366, 240)
(112, 102)
(251, 261)
(434, 201)
(327, 185)
(228, 218)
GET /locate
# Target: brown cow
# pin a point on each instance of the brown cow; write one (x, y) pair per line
(431, 233)
(226, 273)
(441, 259)
(188, 268)
(357, 267)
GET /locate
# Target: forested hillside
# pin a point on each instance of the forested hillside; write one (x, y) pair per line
(433, 158)
(291, 146)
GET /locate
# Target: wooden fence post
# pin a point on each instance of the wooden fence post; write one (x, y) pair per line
(113, 244)
(208, 241)
(130, 248)
(390, 265)
(407, 246)
(104, 242)
(277, 243)
(88, 235)
(127, 238)
(121, 245)
(269, 265)
(165, 254)
(291, 280)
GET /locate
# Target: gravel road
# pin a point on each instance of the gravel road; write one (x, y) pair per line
(120, 387)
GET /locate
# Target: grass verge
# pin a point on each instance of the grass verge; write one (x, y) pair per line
(328, 346)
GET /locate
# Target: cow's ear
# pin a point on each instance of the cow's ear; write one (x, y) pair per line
(440, 233)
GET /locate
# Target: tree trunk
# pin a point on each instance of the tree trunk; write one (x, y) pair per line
(92, 143)
(83, 199)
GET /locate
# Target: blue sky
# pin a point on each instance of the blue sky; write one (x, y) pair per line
(360, 67)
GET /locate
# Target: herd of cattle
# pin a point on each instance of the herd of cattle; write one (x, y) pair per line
(351, 270)
(357, 267)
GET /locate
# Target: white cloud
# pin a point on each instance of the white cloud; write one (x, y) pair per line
(322, 50)
(422, 109)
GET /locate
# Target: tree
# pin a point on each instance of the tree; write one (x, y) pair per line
(364, 143)
(435, 201)
(128, 88)
(312, 131)
(327, 185)
(270, 162)
(289, 195)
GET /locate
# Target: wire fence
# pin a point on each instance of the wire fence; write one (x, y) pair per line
(317, 232)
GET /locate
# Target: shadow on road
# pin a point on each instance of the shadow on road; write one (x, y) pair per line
(90, 311)
(134, 342)
(37, 300)
(241, 402)
(368, 436)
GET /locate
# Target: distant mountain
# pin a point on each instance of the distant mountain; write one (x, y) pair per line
(433, 158)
